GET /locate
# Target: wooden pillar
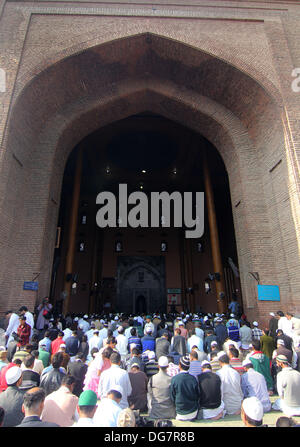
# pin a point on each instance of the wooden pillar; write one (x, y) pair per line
(214, 234)
(72, 229)
(189, 273)
(94, 273)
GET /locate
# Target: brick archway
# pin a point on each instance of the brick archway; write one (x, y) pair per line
(113, 81)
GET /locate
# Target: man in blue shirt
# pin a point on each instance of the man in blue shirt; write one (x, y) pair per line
(233, 332)
(148, 341)
(46, 341)
(195, 365)
(72, 345)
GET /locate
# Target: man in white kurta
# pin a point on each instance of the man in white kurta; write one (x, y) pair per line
(122, 343)
(109, 409)
(285, 325)
(115, 376)
(194, 340)
(94, 342)
(232, 394)
(13, 324)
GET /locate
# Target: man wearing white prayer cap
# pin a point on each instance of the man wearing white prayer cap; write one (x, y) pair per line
(233, 321)
(273, 325)
(11, 400)
(159, 399)
(252, 412)
(253, 383)
(256, 331)
(108, 409)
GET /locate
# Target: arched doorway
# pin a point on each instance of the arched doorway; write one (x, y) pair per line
(178, 84)
(140, 305)
(150, 152)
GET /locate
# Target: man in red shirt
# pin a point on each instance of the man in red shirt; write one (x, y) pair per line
(3, 383)
(55, 345)
(23, 331)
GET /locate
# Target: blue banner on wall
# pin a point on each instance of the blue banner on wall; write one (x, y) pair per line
(268, 293)
(30, 285)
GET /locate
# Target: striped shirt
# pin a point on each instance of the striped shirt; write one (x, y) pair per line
(215, 364)
(237, 365)
(195, 368)
(151, 368)
(233, 333)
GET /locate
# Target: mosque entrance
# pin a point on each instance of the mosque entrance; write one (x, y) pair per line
(149, 153)
(140, 284)
(140, 305)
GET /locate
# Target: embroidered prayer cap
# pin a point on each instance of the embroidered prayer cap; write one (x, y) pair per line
(255, 323)
(87, 398)
(214, 343)
(126, 418)
(282, 358)
(205, 362)
(280, 342)
(185, 361)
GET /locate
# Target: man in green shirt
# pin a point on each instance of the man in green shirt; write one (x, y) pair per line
(267, 344)
(185, 392)
(44, 355)
(261, 363)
